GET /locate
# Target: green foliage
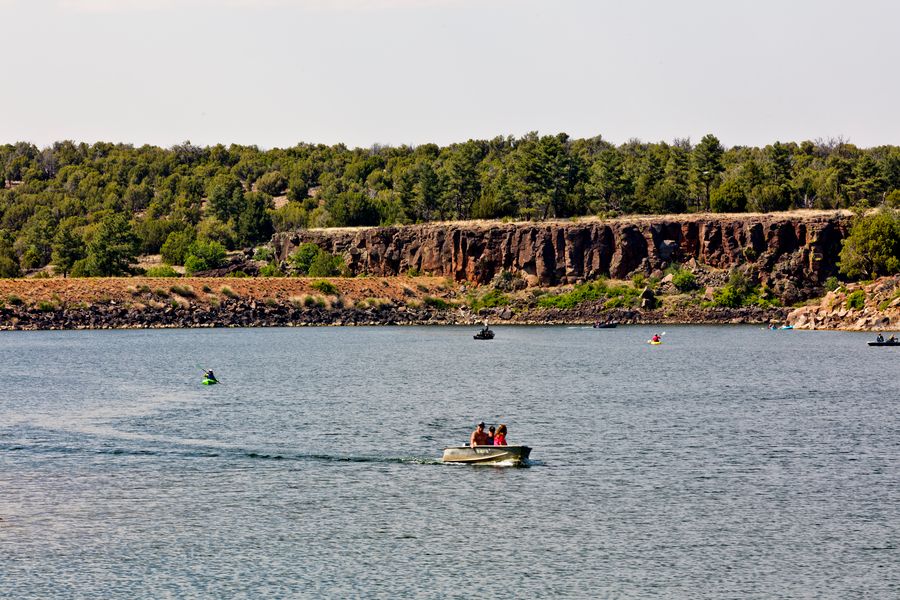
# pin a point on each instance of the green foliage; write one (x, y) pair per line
(204, 255)
(728, 198)
(68, 247)
(832, 283)
(183, 291)
(270, 270)
(514, 178)
(195, 264)
(491, 299)
(302, 258)
(273, 184)
(741, 291)
(254, 224)
(437, 303)
(326, 265)
(326, 287)
(176, 247)
(228, 292)
(113, 248)
(14, 300)
(856, 300)
(616, 296)
(873, 247)
(684, 280)
(46, 306)
(161, 271)
(263, 253)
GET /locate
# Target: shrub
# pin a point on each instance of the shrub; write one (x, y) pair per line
(228, 292)
(326, 265)
(639, 280)
(326, 287)
(15, 300)
(263, 254)
(684, 280)
(237, 274)
(492, 299)
(45, 306)
(175, 249)
(193, 264)
(856, 300)
(183, 291)
(437, 303)
(582, 292)
(412, 272)
(163, 271)
(206, 289)
(160, 293)
(873, 246)
(302, 258)
(210, 254)
(270, 270)
(832, 283)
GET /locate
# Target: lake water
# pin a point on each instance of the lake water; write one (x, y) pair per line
(729, 462)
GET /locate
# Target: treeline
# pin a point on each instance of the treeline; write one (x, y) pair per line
(71, 204)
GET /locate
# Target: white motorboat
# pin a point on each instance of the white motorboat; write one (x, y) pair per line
(487, 455)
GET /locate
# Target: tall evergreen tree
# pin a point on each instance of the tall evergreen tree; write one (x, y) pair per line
(708, 163)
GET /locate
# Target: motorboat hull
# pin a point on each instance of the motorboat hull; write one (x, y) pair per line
(487, 455)
(884, 343)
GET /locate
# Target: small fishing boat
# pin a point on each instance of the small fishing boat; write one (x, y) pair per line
(606, 325)
(484, 334)
(487, 455)
(887, 343)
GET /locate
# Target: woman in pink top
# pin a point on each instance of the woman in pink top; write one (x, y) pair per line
(500, 436)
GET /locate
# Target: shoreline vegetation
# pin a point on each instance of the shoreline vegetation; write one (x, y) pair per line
(531, 229)
(128, 303)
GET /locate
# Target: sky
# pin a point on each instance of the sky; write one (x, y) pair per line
(275, 73)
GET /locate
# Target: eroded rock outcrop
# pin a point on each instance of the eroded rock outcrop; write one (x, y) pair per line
(792, 253)
(856, 307)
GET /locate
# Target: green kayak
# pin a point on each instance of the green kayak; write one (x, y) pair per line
(210, 381)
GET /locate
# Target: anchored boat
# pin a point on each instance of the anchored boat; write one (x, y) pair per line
(486, 455)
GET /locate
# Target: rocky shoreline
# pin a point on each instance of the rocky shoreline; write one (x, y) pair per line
(250, 313)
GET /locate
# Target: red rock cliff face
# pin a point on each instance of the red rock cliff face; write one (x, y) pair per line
(800, 248)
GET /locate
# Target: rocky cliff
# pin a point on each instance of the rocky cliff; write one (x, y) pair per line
(793, 253)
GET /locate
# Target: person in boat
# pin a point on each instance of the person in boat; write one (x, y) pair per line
(210, 375)
(892, 339)
(655, 337)
(880, 338)
(500, 436)
(479, 436)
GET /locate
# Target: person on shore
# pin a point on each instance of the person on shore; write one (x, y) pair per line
(500, 436)
(479, 436)
(491, 434)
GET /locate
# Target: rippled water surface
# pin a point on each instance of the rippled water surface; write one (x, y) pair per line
(729, 462)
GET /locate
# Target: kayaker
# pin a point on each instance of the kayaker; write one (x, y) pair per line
(880, 338)
(479, 436)
(500, 436)
(210, 375)
(655, 337)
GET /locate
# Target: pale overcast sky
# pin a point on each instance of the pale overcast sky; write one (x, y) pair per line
(278, 72)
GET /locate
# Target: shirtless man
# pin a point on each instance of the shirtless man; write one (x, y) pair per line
(479, 436)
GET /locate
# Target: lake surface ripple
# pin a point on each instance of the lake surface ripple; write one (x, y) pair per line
(729, 462)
